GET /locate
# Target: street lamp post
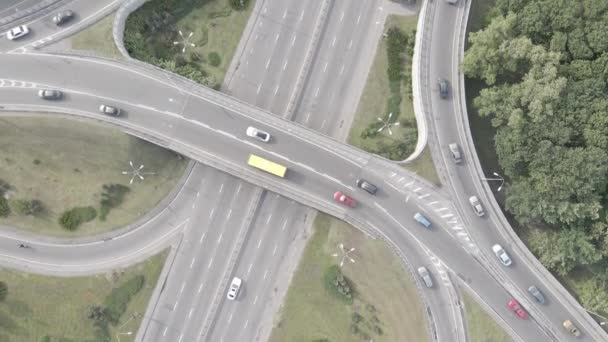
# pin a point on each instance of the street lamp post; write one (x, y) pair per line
(498, 178)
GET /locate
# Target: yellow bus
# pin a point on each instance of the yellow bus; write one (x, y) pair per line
(267, 165)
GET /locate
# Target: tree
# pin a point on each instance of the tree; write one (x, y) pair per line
(214, 59)
(5, 210)
(3, 291)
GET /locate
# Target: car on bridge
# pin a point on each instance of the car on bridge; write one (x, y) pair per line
(63, 17)
(501, 255)
(257, 134)
(339, 196)
(572, 329)
(443, 88)
(109, 110)
(367, 186)
(422, 220)
(49, 94)
(515, 307)
(474, 201)
(535, 292)
(426, 276)
(455, 151)
(17, 32)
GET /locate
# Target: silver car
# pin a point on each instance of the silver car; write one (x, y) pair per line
(233, 290)
(49, 94)
(426, 276)
(257, 134)
(501, 255)
(455, 151)
(109, 110)
(474, 201)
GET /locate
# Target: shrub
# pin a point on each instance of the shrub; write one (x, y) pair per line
(224, 12)
(356, 317)
(116, 303)
(36, 161)
(239, 4)
(3, 291)
(45, 338)
(25, 207)
(214, 59)
(111, 197)
(4, 187)
(5, 210)
(338, 285)
(73, 218)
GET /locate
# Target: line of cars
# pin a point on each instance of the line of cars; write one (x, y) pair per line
(498, 250)
(54, 94)
(23, 30)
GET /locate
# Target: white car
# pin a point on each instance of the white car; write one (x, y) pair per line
(17, 32)
(258, 134)
(476, 205)
(233, 291)
(501, 255)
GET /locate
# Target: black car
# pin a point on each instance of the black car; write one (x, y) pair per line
(367, 186)
(443, 88)
(62, 17)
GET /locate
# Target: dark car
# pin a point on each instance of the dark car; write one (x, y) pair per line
(443, 88)
(367, 186)
(49, 94)
(535, 292)
(62, 17)
(109, 110)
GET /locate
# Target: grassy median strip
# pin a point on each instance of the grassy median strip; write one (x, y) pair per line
(384, 307)
(480, 326)
(97, 38)
(54, 168)
(41, 308)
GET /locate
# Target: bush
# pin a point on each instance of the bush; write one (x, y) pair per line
(214, 59)
(3, 291)
(338, 285)
(4, 187)
(73, 218)
(239, 4)
(5, 210)
(221, 13)
(377, 330)
(25, 207)
(116, 303)
(45, 338)
(356, 317)
(111, 197)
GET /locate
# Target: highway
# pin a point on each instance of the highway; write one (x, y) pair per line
(209, 127)
(321, 163)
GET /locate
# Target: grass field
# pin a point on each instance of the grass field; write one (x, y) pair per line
(216, 29)
(65, 162)
(424, 167)
(480, 326)
(38, 305)
(310, 312)
(373, 102)
(97, 38)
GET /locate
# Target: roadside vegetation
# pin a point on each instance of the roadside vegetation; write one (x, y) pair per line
(97, 38)
(90, 309)
(481, 327)
(538, 72)
(372, 299)
(214, 27)
(388, 95)
(64, 177)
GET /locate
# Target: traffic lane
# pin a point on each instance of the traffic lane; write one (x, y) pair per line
(42, 27)
(254, 268)
(473, 274)
(464, 183)
(213, 258)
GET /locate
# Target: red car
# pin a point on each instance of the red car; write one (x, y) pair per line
(515, 307)
(342, 198)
